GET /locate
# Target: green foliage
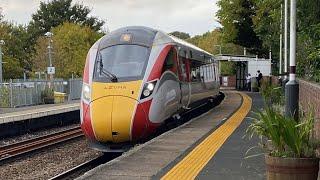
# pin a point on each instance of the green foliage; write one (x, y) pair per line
(181, 35)
(236, 19)
(15, 51)
(266, 24)
(289, 138)
(47, 95)
(4, 96)
(272, 94)
(210, 41)
(71, 43)
(54, 13)
(228, 68)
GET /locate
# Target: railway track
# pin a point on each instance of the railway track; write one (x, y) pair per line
(86, 166)
(23, 147)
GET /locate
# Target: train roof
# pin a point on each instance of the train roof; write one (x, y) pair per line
(150, 37)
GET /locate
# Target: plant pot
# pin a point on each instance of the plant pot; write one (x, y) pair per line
(291, 168)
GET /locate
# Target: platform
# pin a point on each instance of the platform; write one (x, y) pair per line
(8, 115)
(202, 148)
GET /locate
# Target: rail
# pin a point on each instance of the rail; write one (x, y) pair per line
(23, 147)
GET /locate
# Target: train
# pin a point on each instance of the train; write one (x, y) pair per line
(135, 79)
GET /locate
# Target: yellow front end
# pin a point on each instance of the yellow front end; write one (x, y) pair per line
(113, 108)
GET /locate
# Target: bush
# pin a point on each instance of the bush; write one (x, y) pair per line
(272, 94)
(289, 138)
(4, 97)
(47, 95)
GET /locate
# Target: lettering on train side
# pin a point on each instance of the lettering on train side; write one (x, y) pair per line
(115, 87)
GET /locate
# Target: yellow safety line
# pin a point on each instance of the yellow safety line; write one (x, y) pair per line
(194, 162)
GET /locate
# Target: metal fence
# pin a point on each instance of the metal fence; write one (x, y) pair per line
(17, 93)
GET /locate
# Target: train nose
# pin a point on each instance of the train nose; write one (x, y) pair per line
(113, 111)
(112, 118)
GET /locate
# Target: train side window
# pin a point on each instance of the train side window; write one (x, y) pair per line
(197, 71)
(170, 62)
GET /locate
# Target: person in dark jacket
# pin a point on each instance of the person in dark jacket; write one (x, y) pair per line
(259, 78)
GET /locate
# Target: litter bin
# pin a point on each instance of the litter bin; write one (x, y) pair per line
(59, 97)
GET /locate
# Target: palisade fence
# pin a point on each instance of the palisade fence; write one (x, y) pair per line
(17, 93)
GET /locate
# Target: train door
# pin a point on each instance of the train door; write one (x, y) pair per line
(184, 76)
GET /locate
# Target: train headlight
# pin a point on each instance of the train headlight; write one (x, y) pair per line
(148, 89)
(146, 93)
(86, 92)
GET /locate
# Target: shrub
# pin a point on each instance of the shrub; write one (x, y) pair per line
(289, 138)
(47, 94)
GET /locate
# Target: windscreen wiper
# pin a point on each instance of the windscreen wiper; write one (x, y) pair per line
(105, 72)
(112, 77)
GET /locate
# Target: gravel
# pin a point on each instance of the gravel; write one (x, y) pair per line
(49, 162)
(31, 135)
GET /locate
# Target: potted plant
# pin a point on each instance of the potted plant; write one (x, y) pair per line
(47, 96)
(290, 149)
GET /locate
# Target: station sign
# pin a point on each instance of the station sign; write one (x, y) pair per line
(51, 70)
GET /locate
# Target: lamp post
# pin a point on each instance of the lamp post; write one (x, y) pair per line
(1, 44)
(285, 38)
(292, 87)
(280, 52)
(50, 69)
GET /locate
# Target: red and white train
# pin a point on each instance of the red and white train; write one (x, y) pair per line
(135, 78)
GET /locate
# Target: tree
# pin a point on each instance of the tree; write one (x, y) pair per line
(236, 19)
(12, 67)
(71, 43)
(1, 15)
(54, 13)
(208, 40)
(181, 35)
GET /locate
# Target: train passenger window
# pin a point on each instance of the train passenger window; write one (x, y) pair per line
(197, 71)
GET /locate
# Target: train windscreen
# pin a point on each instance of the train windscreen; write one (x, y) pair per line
(123, 62)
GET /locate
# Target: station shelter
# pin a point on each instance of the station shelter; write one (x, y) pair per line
(246, 65)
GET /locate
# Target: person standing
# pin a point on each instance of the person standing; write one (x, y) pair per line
(248, 82)
(259, 78)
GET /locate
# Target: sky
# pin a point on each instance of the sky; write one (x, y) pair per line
(192, 16)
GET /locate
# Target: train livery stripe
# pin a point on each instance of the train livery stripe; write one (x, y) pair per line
(157, 67)
(194, 162)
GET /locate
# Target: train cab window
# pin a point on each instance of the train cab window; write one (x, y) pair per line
(126, 62)
(170, 62)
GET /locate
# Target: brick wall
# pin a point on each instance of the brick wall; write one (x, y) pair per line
(309, 96)
(231, 81)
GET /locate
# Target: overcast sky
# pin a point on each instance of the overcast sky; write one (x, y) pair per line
(191, 16)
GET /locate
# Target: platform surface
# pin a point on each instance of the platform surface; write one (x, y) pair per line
(230, 162)
(8, 115)
(154, 159)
